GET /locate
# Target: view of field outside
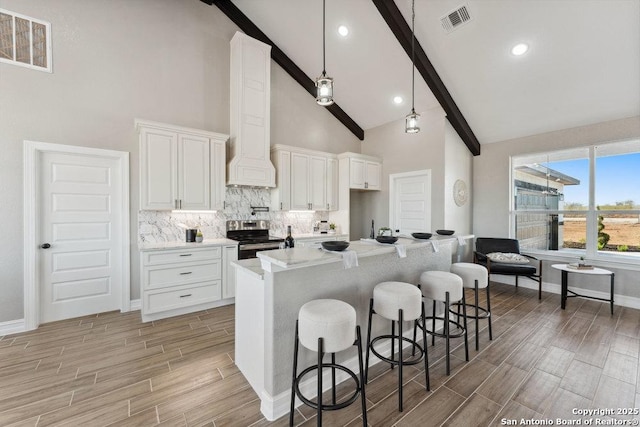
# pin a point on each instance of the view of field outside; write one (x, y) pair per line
(617, 188)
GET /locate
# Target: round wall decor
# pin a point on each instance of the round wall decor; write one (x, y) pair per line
(460, 192)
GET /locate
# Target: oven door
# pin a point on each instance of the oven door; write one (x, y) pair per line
(249, 250)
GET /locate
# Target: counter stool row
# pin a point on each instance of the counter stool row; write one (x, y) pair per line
(329, 326)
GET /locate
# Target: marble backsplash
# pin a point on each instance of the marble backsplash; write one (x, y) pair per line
(167, 226)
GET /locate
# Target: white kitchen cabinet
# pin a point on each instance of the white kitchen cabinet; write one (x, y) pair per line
(332, 184)
(365, 172)
(178, 281)
(229, 254)
(250, 113)
(281, 195)
(180, 168)
(307, 179)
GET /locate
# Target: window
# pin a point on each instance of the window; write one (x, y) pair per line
(25, 41)
(582, 200)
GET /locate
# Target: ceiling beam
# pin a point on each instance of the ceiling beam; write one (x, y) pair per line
(250, 29)
(396, 22)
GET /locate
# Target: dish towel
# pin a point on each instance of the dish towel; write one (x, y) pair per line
(349, 259)
(434, 245)
(402, 251)
(462, 241)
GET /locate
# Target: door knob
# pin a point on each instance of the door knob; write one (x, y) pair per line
(45, 246)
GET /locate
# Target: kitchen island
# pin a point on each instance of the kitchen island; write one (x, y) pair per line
(271, 289)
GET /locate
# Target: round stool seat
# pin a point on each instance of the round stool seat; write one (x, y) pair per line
(469, 273)
(389, 297)
(332, 320)
(435, 285)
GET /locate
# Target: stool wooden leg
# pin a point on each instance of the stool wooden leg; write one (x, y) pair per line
(363, 398)
(399, 359)
(489, 311)
(477, 318)
(319, 399)
(366, 371)
(295, 373)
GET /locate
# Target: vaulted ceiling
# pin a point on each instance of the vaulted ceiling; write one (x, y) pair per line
(582, 67)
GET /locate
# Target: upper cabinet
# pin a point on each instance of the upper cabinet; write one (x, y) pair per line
(180, 168)
(250, 113)
(365, 172)
(307, 179)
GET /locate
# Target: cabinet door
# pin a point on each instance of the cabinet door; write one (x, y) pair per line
(299, 182)
(229, 272)
(158, 170)
(193, 172)
(373, 175)
(356, 173)
(218, 170)
(281, 195)
(332, 184)
(318, 183)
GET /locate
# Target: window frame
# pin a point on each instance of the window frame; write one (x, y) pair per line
(591, 251)
(48, 42)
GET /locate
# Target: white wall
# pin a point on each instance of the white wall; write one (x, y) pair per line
(458, 162)
(402, 152)
(113, 61)
(491, 168)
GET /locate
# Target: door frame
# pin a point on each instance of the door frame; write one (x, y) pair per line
(31, 162)
(392, 190)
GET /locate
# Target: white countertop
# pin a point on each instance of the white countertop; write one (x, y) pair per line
(253, 266)
(150, 246)
(305, 256)
(304, 236)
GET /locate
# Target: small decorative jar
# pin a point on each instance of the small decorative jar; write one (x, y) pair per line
(199, 237)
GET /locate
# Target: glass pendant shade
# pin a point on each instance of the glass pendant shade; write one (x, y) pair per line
(411, 122)
(324, 90)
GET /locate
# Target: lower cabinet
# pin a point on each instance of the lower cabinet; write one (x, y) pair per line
(179, 281)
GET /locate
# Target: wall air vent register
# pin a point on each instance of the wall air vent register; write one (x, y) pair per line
(456, 18)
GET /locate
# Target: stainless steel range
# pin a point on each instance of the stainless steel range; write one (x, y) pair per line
(252, 236)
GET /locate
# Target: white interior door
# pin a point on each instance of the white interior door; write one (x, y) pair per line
(80, 217)
(410, 202)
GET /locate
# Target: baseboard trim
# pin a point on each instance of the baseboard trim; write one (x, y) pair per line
(554, 288)
(135, 305)
(12, 327)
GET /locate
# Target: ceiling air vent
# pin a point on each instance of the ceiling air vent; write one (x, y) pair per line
(456, 18)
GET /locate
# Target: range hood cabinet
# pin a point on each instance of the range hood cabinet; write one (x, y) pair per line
(249, 145)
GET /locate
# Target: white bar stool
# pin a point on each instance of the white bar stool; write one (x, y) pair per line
(447, 288)
(474, 276)
(327, 326)
(398, 302)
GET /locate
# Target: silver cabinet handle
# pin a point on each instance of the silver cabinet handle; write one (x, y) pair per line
(185, 296)
(366, 185)
(45, 246)
(188, 272)
(280, 205)
(186, 254)
(175, 203)
(180, 203)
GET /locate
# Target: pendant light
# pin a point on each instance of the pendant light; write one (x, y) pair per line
(324, 84)
(411, 121)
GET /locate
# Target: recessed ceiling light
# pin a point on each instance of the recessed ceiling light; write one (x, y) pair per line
(520, 49)
(343, 31)
(397, 99)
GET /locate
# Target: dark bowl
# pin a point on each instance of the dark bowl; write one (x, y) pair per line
(445, 232)
(335, 245)
(386, 239)
(422, 235)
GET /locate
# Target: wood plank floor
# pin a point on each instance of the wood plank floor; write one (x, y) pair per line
(113, 370)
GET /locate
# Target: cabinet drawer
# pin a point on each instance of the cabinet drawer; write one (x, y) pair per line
(172, 275)
(181, 255)
(183, 297)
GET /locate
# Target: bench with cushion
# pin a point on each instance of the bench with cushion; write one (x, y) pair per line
(507, 259)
